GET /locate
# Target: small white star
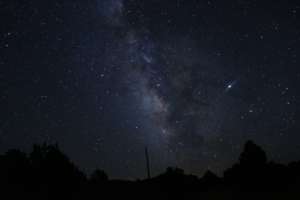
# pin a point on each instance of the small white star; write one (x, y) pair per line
(230, 85)
(261, 37)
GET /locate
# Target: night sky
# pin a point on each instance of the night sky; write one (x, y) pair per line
(192, 80)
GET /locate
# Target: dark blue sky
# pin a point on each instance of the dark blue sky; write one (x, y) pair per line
(192, 80)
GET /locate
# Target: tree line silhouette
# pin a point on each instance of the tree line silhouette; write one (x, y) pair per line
(47, 173)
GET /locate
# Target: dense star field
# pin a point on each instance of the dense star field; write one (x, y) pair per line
(192, 80)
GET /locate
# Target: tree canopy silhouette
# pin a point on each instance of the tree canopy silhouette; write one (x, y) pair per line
(252, 155)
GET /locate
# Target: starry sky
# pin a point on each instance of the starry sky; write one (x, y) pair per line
(191, 80)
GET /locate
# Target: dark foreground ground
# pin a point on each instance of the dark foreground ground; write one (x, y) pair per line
(46, 173)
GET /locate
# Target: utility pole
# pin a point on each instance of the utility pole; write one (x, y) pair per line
(147, 163)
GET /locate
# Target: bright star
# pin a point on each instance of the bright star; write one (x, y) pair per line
(230, 85)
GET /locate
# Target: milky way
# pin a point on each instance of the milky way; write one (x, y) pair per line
(189, 80)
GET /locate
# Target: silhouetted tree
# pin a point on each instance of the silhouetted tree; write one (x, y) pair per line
(15, 166)
(53, 171)
(252, 155)
(251, 166)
